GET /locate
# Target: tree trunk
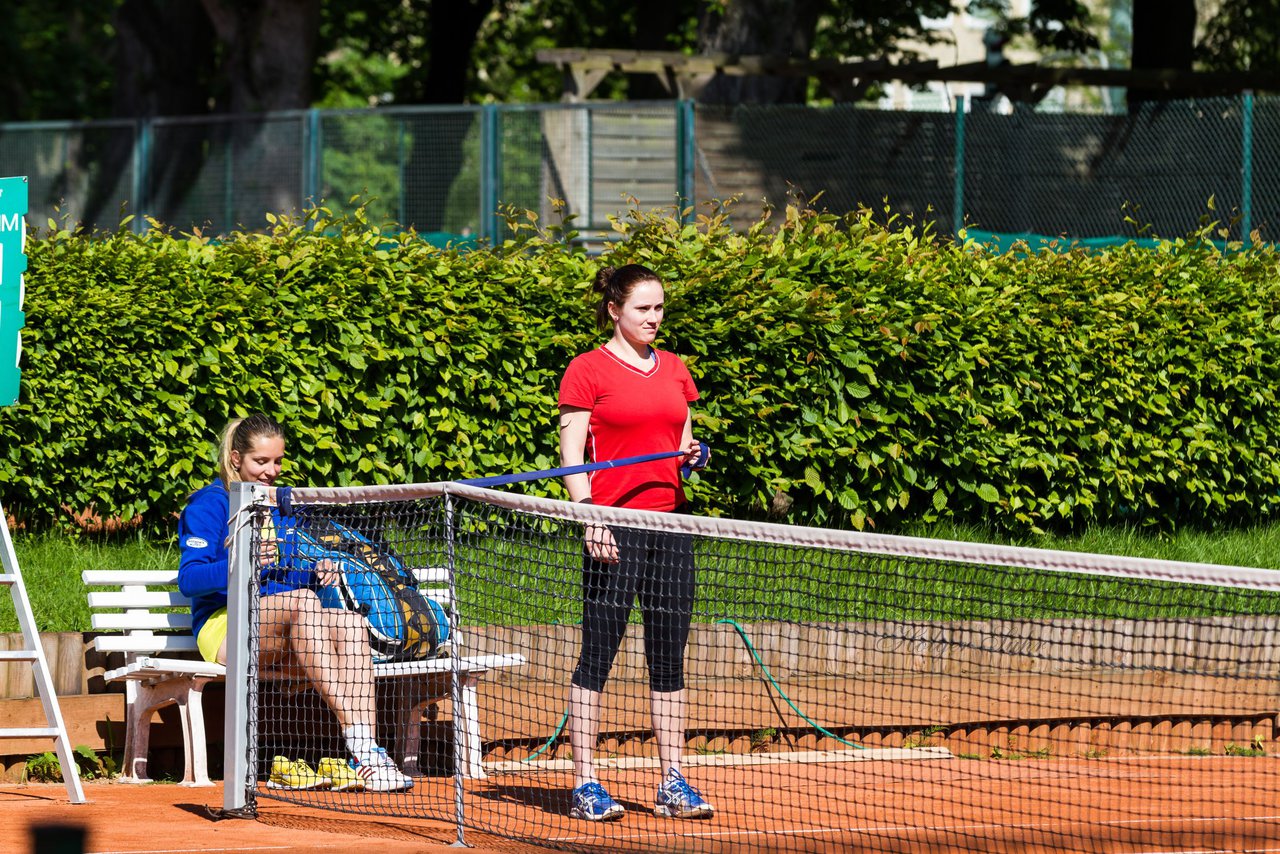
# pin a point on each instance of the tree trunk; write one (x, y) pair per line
(437, 153)
(269, 52)
(164, 61)
(1164, 36)
(779, 28)
(268, 58)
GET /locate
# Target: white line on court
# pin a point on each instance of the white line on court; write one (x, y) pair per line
(1202, 818)
(802, 757)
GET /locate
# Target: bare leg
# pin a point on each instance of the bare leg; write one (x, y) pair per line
(348, 637)
(584, 729)
(331, 646)
(331, 649)
(668, 728)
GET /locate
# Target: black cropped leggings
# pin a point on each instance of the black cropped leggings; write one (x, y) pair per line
(657, 567)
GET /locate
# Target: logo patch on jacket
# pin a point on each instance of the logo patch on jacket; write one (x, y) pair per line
(196, 543)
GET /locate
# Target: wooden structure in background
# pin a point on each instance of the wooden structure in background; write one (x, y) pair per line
(686, 76)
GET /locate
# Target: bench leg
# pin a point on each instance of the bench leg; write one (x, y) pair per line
(141, 702)
(468, 750)
(409, 735)
(196, 747)
(404, 709)
(407, 711)
(137, 734)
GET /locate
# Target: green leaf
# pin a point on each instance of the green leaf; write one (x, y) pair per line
(813, 478)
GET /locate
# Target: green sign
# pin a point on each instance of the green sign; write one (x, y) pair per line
(13, 264)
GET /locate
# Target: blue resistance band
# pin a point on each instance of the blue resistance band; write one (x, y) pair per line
(284, 494)
(519, 477)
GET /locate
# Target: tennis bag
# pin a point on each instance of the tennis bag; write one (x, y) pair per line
(403, 624)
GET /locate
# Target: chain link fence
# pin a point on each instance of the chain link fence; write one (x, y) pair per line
(449, 172)
(1153, 172)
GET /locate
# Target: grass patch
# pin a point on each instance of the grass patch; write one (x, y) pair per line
(924, 738)
(1255, 748)
(761, 738)
(46, 767)
(1013, 753)
(51, 566)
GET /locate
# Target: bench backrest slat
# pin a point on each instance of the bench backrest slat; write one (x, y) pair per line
(145, 643)
(430, 574)
(150, 577)
(141, 621)
(129, 610)
(441, 595)
(129, 599)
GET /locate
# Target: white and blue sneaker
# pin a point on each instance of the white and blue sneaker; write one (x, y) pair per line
(592, 802)
(677, 799)
(380, 774)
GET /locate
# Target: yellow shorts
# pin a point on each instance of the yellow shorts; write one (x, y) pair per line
(212, 634)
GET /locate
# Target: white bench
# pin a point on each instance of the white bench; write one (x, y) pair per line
(163, 667)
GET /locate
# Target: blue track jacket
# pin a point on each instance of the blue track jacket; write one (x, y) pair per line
(202, 569)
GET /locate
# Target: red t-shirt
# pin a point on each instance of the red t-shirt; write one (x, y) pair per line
(633, 412)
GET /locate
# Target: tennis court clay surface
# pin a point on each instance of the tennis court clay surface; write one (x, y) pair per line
(1157, 804)
(121, 817)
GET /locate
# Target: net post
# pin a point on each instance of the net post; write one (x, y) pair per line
(235, 774)
(459, 733)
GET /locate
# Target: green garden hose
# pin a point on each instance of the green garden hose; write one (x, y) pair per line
(742, 633)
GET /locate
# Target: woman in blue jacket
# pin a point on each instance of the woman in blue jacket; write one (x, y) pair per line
(330, 645)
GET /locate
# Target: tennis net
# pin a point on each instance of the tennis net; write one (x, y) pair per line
(843, 691)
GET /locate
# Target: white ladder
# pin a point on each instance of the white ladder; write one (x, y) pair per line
(33, 652)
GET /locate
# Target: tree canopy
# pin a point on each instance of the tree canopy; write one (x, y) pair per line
(86, 59)
(1243, 36)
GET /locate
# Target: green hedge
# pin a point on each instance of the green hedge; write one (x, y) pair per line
(854, 373)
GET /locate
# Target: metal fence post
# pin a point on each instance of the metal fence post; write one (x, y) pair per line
(229, 183)
(684, 156)
(401, 162)
(1246, 169)
(957, 204)
(141, 172)
(311, 157)
(591, 164)
(490, 173)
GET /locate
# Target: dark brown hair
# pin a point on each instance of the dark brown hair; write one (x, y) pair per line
(614, 286)
(239, 436)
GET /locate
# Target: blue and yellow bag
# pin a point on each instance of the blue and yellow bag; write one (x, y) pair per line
(403, 624)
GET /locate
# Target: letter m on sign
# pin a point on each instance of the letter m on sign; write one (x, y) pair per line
(13, 265)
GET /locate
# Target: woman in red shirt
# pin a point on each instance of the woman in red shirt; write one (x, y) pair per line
(621, 400)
